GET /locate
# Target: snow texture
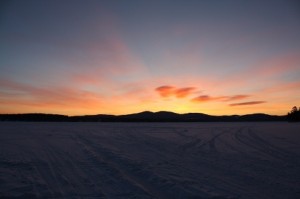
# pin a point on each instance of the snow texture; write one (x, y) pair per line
(150, 160)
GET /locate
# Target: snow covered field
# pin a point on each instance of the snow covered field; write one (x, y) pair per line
(150, 160)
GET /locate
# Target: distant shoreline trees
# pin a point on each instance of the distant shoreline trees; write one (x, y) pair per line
(294, 115)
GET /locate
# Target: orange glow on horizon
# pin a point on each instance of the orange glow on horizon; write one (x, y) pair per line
(22, 98)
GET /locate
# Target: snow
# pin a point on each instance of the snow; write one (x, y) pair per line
(150, 160)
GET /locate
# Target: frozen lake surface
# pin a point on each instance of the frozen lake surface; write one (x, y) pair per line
(150, 160)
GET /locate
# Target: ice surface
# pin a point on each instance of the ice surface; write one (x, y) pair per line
(150, 160)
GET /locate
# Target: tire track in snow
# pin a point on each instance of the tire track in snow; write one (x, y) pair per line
(246, 136)
(130, 157)
(211, 143)
(187, 186)
(125, 185)
(56, 171)
(152, 183)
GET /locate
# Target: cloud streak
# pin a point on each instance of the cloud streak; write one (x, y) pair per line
(208, 98)
(247, 103)
(235, 97)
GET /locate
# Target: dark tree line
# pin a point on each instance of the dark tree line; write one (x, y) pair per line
(294, 115)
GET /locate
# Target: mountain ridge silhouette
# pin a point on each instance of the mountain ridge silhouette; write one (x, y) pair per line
(145, 116)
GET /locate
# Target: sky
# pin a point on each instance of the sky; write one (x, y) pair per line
(118, 57)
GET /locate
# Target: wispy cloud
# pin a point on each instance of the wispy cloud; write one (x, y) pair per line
(247, 103)
(235, 97)
(50, 96)
(165, 91)
(207, 98)
(184, 92)
(168, 91)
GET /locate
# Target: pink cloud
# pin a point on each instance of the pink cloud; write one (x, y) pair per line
(165, 91)
(168, 91)
(184, 92)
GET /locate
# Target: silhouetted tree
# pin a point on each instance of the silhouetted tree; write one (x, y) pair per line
(294, 115)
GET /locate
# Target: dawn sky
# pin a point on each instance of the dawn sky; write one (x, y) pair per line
(119, 57)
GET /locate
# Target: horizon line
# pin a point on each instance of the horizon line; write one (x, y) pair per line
(138, 113)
